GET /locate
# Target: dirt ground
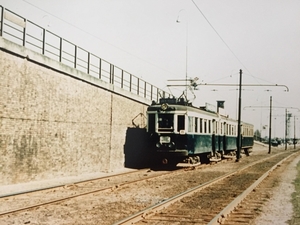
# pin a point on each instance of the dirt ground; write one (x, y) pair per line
(279, 210)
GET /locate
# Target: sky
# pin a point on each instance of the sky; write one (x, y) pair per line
(163, 40)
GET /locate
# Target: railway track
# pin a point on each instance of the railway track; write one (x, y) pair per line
(220, 201)
(250, 206)
(95, 203)
(69, 191)
(11, 203)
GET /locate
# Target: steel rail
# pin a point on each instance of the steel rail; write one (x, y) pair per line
(66, 184)
(81, 194)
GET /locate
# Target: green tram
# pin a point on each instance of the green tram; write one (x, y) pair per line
(184, 133)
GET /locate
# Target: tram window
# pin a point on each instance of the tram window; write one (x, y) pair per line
(209, 126)
(201, 126)
(151, 123)
(221, 128)
(191, 124)
(196, 125)
(180, 122)
(205, 126)
(165, 121)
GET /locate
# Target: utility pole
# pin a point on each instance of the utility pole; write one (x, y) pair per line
(270, 125)
(286, 129)
(238, 152)
(186, 54)
(294, 132)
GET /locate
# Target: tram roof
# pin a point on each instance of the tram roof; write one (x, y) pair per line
(182, 105)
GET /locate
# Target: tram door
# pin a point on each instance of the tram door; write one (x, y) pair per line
(221, 136)
(213, 137)
(224, 136)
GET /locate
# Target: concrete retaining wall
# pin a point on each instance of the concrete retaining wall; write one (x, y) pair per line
(57, 121)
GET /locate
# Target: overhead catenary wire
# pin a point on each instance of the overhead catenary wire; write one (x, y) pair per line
(219, 35)
(96, 37)
(135, 56)
(210, 24)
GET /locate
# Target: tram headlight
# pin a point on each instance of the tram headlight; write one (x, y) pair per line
(164, 106)
(158, 145)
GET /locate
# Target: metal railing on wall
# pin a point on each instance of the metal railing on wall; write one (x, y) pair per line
(21, 31)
